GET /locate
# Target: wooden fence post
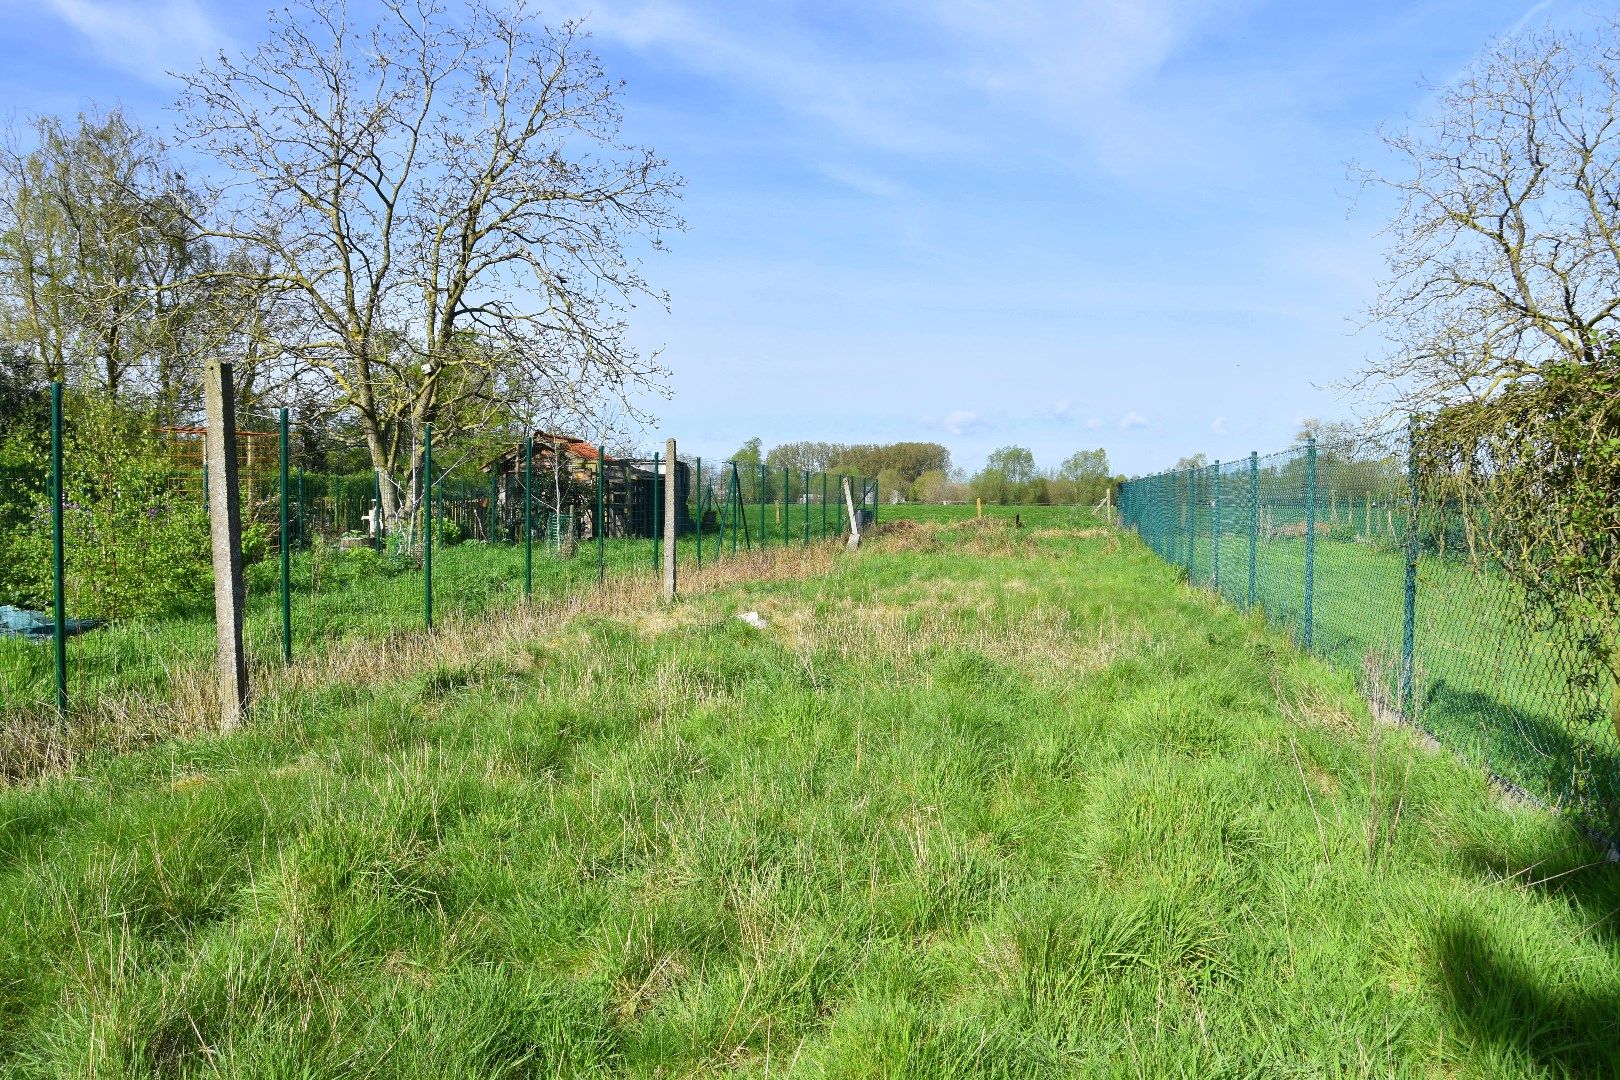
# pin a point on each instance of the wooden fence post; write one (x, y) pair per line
(225, 528)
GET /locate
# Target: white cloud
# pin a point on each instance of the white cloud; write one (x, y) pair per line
(977, 73)
(1093, 423)
(1218, 425)
(146, 39)
(863, 181)
(1061, 409)
(962, 421)
(873, 103)
(1132, 419)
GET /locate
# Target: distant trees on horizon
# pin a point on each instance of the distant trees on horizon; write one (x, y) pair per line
(922, 472)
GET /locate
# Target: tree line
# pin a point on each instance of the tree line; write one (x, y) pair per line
(922, 472)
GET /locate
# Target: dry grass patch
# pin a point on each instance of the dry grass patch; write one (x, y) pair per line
(34, 743)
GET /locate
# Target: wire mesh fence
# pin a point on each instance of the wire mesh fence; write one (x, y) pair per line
(1386, 576)
(335, 550)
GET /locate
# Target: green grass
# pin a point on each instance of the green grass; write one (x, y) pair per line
(975, 803)
(337, 596)
(1041, 517)
(1486, 683)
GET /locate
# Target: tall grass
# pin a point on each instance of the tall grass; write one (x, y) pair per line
(976, 801)
(140, 679)
(1488, 682)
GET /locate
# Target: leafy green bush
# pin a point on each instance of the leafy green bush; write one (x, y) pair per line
(136, 544)
(1342, 532)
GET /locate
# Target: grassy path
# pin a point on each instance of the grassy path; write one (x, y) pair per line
(976, 802)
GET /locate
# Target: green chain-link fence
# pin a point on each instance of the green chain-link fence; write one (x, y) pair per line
(543, 516)
(1384, 576)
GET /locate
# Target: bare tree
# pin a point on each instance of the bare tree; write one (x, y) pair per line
(1504, 301)
(448, 202)
(105, 277)
(97, 258)
(1505, 251)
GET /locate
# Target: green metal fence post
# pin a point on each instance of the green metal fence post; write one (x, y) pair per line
(1187, 514)
(785, 506)
(700, 513)
(824, 504)
(286, 554)
(764, 530)
(427, 524)
(1215, 529)
(528, 516)
(58, 560)
(1409, 603)
(741, 518)
(656, 507)
(804, 501)
(1254, 520)
(1310, 538)
(601, 514)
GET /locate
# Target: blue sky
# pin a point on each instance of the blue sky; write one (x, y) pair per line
(1116, 223)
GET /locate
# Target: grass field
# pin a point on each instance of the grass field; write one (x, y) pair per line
(977, 801)
(133, 668)
(1486, 683)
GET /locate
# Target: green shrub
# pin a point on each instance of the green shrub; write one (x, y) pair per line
(1345, 534)
(135, 543)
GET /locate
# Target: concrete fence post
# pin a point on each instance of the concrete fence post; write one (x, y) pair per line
(225, 528)
(671, 520)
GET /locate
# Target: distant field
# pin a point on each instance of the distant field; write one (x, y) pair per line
(977, 801)
(1039, 516)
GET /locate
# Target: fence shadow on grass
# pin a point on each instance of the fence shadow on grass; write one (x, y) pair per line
(1562, 761)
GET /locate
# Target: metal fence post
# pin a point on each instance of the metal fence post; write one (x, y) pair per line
(1310, 538)
(804, 501)
(601, 515)
(528, 516)
(58, 569)
(1215, 530)
(764, 529)
(1187, 512)
(1409, 602)
(1254, 520)
(286, 554)
(700, 513)
(824, 504)
(427, 524)
(739, 517)
(377, 526)
(785, 506)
